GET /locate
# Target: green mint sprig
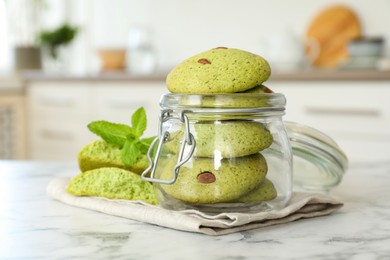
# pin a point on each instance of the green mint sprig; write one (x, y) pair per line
(127, 138)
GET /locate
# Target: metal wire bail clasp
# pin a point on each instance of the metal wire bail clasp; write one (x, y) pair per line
(163, 136)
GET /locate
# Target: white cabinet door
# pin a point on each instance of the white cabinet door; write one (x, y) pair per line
(60, 100)
(59, 112)
(355, 114)
(53, 140)
(116, 102)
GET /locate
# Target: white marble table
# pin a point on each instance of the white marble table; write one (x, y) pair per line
(33, 226)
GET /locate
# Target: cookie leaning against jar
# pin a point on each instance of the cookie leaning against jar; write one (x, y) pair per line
(112, 183)
(218, 71)
(99, 154)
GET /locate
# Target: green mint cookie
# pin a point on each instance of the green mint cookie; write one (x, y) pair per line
(220, 70)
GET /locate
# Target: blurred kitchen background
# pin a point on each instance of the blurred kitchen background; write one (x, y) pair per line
(64, 63)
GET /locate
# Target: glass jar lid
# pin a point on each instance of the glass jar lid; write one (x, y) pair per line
(319, 163)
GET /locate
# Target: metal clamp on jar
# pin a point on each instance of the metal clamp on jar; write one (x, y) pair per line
(164, 137)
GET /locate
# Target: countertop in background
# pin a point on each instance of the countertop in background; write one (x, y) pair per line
(10, 83)
(34, 226)
(301, 75)
(16, 82)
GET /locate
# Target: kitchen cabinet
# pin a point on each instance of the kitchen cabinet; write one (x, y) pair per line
(12, 126)
(354, 113)
(59, 111)
(350, 107)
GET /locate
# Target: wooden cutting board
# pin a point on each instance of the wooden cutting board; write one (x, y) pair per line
(333, 28)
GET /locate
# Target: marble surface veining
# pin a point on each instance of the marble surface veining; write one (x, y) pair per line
(34, 226)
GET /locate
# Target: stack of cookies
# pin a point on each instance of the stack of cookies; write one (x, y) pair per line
(227, 164)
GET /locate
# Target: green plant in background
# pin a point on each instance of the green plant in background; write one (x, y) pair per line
(61, 36)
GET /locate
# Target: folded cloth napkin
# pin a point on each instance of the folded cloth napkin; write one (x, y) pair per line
(301, 205)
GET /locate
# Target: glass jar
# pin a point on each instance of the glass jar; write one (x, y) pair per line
(219, 153)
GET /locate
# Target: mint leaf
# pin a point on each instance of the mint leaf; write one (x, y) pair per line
(145, 143)
(131, 137)
(130, 153)
(148, 141)
(112, 133)
(125, 137)
(138, 121)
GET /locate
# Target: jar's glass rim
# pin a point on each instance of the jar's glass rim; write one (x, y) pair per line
(234, 100)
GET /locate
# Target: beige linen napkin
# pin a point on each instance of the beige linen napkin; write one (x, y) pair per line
(301, 205)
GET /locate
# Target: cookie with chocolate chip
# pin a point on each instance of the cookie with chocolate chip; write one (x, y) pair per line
(220, 70)
(209, 181)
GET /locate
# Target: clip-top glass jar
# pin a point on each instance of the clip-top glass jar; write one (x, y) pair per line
(224, 152)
